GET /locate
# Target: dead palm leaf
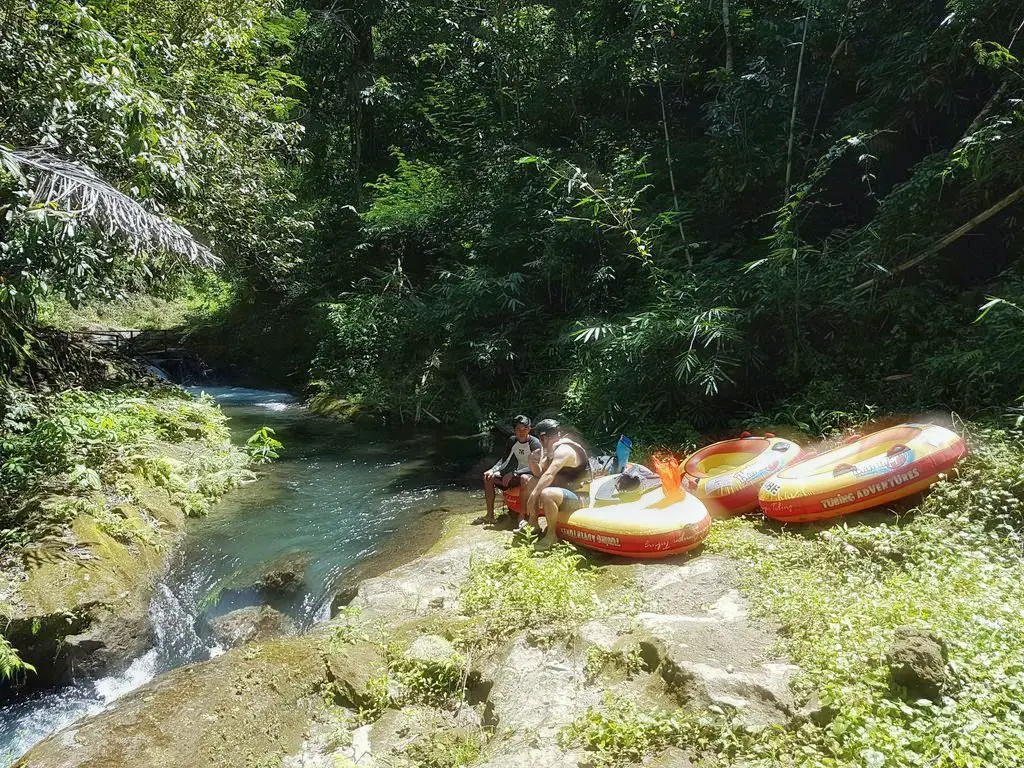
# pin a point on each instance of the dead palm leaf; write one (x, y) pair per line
(59, 184)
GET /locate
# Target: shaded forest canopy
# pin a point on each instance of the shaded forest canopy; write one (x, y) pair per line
(659, 214)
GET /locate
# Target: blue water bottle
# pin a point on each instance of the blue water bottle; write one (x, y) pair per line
(622, 452)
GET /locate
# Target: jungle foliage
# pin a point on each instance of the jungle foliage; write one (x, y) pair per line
(637, 214)
(649, 213)
(121, 124)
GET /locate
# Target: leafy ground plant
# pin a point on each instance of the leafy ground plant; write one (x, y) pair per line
(523, 590)
(953, 566)
(83, 448)
(11, 664)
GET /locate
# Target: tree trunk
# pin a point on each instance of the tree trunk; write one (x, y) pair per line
(796, 96)
(362, 118)
(728, 35)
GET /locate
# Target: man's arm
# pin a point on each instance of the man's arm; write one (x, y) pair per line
(562, 456)
(502, 464)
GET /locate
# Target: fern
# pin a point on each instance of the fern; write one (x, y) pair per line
(11, 663)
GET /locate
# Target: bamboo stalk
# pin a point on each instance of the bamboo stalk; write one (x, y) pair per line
(796, 95)
(952, 237)
(668, 159)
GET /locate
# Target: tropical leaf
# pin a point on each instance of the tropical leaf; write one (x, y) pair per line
(58, 184)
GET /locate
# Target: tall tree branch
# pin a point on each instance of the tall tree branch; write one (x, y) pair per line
(796, 96)
(952, 237)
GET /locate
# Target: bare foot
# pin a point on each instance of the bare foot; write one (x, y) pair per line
(546, 543)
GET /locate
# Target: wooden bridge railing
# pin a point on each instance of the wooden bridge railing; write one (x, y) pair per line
(160, 339)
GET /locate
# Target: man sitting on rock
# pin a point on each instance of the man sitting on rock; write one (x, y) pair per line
(514, 470)
(560, 472)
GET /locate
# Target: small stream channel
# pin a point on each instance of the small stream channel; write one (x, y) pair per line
(339, 494)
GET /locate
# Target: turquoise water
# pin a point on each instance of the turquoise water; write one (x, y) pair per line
(338, 494)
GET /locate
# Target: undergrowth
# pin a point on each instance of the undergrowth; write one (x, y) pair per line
(447, 749)
(953, 565)
(77, 451)
(553, 592)
(620, 733)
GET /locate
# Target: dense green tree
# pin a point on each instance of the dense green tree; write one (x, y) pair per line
(122, 121)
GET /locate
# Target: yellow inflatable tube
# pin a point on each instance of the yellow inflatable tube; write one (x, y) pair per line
(647, 527)
(866, 472)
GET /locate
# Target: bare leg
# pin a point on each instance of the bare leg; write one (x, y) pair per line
(527, 491)
(525, 485)
(489, 494)
(550, 499)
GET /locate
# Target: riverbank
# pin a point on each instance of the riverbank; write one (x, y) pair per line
(99, 484)
(881, 639)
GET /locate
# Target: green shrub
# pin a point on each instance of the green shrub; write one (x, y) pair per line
(435, 683)
(11, 664)
(522, 590)
(620, 733)
(79, 443)
(448, 749)
(262, 446)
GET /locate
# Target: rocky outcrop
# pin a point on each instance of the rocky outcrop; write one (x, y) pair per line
(79, 607)
(284, 574)
(251, 706)
(326, 699)
(917, 663)
(258, 622)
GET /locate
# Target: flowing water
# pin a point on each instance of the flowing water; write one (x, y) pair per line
(338, 494)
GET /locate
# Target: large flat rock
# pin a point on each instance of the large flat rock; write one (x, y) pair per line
(248, 707)
(431, 584)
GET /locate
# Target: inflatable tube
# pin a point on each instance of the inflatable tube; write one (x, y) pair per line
(866, 472)
(726, 476)
(513, 499)
(650, 526)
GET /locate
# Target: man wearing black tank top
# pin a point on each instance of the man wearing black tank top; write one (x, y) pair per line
(560, 472)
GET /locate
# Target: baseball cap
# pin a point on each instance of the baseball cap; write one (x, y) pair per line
(546, 426)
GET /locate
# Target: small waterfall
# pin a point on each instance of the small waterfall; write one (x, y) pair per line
(337, 494)
(29, 720)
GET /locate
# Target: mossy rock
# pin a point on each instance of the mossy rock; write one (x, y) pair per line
(249, 707)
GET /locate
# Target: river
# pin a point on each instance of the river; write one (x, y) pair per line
(339, 494)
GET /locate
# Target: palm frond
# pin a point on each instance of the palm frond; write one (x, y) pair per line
(59, 184)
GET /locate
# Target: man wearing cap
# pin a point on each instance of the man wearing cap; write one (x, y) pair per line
(560, 472)
(514, 469)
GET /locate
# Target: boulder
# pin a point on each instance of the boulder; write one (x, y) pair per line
(79, 607)
(284, 574)
(431, 584)
(720, 658)
(250, 706)
(257, 622)
(431, 649)
(917, 663)
(535, 756)
(350, 669)
(538, 689)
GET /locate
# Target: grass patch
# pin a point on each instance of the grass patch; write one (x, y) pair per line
(436, 683)
(448, 749)
(629, 662)
(553, 592)
(621, 733)
(953, 565)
